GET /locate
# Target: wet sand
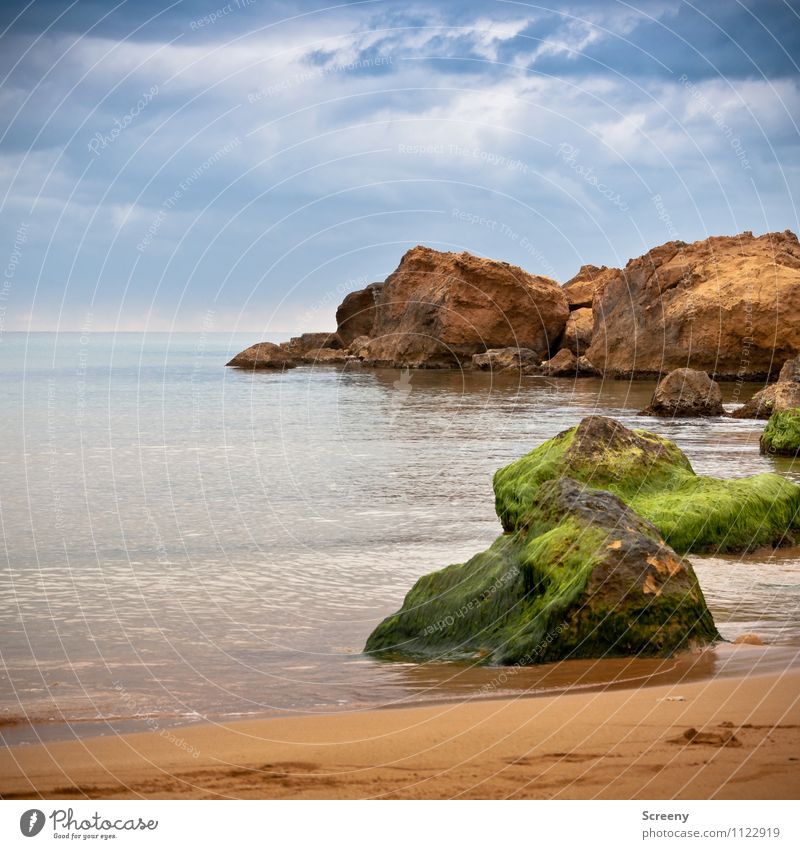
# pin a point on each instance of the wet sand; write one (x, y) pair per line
(613, 744)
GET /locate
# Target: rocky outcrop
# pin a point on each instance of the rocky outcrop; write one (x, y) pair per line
(725, 305)
(586, 284)
(578, 331)
(654, 477)
(264, 355)
(780, 396)
(782, 434)
(686, 392)
(438, 309)
(356, 314)
(306, 342)
(504, 359)
(326, 356)
(582, 577)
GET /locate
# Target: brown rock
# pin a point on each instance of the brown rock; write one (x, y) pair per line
(356, 314)
(727, 305)
(438, 309)
(500, 359)
(578, 331)
(748, 640)
(264, 355)
(707, 738)
(588, 282)
(686, 392)
(306, 342)
(358, 347)
(586, 368)
(563, 364)
(783, 395)
(326, 355)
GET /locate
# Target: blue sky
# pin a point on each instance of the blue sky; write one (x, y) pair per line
(240, 165)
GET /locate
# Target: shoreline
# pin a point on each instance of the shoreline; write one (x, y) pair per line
(602, 743)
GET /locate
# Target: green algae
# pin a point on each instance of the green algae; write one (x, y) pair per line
(782, 433)
(652, 475)
(562, 586)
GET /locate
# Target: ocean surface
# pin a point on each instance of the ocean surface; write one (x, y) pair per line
(183, 541)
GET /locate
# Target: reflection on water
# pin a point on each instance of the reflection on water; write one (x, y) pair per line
(184, 540)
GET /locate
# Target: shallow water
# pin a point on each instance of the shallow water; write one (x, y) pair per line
(183, 540)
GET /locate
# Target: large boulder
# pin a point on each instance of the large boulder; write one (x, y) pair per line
(438, 309)
(356, 314)
(782, 434)
(582, 577)
(586, 284)
(654, 477)
(725, 305)
(780, 396)
(578, 331)
(686, 392)
(264, 355)
(503, 359)
(326, 356)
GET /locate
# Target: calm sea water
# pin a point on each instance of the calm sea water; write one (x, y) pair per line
(182, 540)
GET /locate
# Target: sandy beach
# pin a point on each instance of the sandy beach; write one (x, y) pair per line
(617, 744)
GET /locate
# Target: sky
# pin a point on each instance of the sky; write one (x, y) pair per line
(240, 166)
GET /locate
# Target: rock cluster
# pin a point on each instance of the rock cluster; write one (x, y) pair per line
(727, 305)
(578, 572)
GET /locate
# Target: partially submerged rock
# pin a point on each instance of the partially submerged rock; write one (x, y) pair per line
(782, 434)
(502, 359)
(654, 477)
(438, 309)
(727, 305)
(686, 392)
(264, 355)
(582, 576)
(563, 364)
(780, 396)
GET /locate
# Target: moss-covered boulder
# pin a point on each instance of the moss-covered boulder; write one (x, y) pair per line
(654, 477)
(581, 576)
(782, 434)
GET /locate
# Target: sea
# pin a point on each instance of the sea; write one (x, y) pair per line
(183, 542)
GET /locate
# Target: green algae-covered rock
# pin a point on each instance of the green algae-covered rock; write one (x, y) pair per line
(782, 433)
(581, 576)
(653, 476)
